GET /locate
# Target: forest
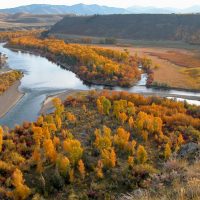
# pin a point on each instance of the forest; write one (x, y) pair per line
(92, 64)
(103, 145)
(7, 35)
(7, 79)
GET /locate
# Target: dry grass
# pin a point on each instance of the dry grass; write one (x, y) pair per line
(188, 189)
(179, 68)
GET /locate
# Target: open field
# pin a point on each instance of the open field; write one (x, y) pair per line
(178, 68)
(178, 63)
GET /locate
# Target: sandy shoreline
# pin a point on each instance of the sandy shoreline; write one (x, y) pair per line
(48, 105)
(9, 98)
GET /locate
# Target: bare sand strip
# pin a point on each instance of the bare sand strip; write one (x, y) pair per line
(47, 104)
(9, 98)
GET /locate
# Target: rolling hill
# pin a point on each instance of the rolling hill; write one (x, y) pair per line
(25, 20)
(79, 9)
(132, 26)
(83, 9)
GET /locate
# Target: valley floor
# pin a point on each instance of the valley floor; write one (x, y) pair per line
(178, 68)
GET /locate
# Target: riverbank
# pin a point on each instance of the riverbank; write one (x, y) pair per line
(47, 105)
(178, 68)
(10, 98)
(89, 82)
(111, 71)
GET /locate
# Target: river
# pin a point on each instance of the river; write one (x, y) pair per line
(43, 78)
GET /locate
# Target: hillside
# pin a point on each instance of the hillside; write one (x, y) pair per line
(25, 20)
(80, 9)
(100, 145)
(83, 9)
(137, 27)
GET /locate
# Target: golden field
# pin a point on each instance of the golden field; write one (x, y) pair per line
(178, 68)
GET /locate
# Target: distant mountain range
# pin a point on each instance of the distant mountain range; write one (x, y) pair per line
(82, 9)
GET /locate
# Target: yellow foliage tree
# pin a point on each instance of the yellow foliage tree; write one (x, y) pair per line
(21, 191)
(145, 135)
(73, 149)
(130, 160)
(98, 169)
(71, 175)
(131, 122)
(50, 150)
(167, 151)
(40, 120)
(63, 164)
(103, 141)
(131, 147)
(121, 138)
(99, 106)
(45, 130)
(123, 117)
(37, 134)
(56, 141)
(81, 168)
(71, 117)
(108, 157)
(59, 108)
(141, 154)
(58, 122)
(180, 140)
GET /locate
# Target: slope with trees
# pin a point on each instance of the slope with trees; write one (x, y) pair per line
(98, 145)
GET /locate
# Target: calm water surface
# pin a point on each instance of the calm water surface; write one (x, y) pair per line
(43, 78)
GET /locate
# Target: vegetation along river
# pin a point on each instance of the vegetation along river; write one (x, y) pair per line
(43, 78)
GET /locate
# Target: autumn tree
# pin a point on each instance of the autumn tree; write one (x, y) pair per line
(99, 106)
(21, 190)
(71, 117)
(108, 157)
(73, 149)
(180, 140)
(106, 106)
(63, 164)
(37, 158)
(103, 140)
(99, 169)
(58, 122)
(167, 151)
(131, 122)
(40, 120)
(123, 117)
(50, 150)
(81, 168)
(121, 138)
(130, 161)
(144, 135)
(141, 154)
(59, 108)
(37, 134)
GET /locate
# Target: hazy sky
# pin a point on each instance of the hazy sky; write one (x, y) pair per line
(116, 3)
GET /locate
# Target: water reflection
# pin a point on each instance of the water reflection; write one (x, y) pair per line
(42, 78)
